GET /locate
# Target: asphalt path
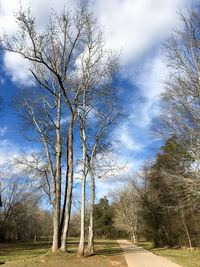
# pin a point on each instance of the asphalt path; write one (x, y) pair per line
(138, 257)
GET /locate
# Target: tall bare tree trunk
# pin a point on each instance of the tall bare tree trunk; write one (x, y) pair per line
(90, 247)
(57, 200)
(56, 219)
(70, 185)
(62, 220)
(83, 141)
(82, 235)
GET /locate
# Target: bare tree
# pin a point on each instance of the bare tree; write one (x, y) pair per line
(126, 203)
(37, 169)
(14, 188)
(97, 68)
(180, 104)
(99, 142)
(43, 113)
(180, 101)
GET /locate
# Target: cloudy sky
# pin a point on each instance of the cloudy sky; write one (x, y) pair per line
(137, 29)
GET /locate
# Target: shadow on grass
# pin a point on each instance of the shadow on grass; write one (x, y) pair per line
(107, 248)
(159, 249)
(149, 246)
(109, 252)
(105, 243)
(24, 245)
(22, 250)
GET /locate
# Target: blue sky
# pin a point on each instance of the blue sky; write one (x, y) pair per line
(137, 29)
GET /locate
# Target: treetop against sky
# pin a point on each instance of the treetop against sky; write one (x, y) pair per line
(135, 28)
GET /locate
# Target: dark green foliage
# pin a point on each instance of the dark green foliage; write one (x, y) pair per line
(174, 157)
(165, 209)
(103, 219)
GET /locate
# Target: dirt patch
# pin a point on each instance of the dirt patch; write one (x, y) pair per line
(118, 260)
(115, 263)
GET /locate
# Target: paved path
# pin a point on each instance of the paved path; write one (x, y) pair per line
(138, 257)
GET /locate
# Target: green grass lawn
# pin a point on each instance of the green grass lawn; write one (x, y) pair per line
(183, 257)
(22, 250)
(29, 254)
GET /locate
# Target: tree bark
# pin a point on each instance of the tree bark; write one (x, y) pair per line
(62, 221)
(134, 237)
(70, 185)
(82, 235)
(56, 235)
(83, 141)
(90, 247)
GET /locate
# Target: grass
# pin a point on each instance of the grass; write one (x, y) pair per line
(22, 250)
(183, 257)
(29, 254)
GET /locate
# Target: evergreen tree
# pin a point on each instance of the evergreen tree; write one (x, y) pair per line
(164, 200)
(103, 219)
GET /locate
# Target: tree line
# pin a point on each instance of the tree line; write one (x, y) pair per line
(162, 204)
(21, 217)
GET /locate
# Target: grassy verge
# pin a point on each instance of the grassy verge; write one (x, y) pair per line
(183, 257)
(30, 254)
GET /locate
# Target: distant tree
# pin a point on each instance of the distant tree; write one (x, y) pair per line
(20, 215)
(126, 211)
(103, 219)
(11, 192)
(180, 100)
(74, 229)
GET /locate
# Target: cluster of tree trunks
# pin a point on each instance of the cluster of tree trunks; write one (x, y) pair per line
(72, 88)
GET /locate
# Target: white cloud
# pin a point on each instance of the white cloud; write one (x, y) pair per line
(3, 130)
(15, 65)
(40, 9)
(9, 151)
(151, 76)
(143, 112)
(134, 26)
(148, 77)
(104, 187)
(125, 136)
(7, 20)
(17, 68)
